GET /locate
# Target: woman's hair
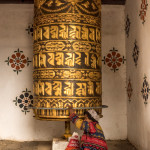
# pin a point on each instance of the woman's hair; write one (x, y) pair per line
(89, 116)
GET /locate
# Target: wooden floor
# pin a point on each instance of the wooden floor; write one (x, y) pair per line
(11, 145)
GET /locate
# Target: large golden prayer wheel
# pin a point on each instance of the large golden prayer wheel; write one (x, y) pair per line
(67, 57)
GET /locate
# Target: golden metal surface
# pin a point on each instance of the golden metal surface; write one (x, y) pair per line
(67, 56)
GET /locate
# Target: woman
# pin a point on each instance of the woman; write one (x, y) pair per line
(93, 136)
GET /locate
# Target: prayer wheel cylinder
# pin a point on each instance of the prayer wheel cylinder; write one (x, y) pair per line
(67, 57)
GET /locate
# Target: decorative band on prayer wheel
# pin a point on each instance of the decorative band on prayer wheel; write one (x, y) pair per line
(67, 57)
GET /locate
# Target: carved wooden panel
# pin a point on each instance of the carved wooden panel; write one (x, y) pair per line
(109, 2)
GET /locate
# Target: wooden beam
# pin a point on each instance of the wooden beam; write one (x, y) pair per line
(114, 2)
(16, 1)
(105, 2)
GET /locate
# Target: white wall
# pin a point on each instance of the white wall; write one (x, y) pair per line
(114, 121)
(14, 124)
(138, 113)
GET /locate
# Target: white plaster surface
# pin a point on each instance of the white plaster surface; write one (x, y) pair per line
(114, 122)
(14, 124)
(59, 144)
(138, 113)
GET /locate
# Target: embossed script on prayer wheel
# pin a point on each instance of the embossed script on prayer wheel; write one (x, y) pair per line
(67, 57)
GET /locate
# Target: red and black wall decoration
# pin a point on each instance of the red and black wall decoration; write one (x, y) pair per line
(135, 53)
(127, 26)
(24, 101)
(145, 90)
(143, 10)
(114, 60)
(129, 90)
(18, 61)
(30, 29)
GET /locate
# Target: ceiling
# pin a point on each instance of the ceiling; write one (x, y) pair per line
(108, 2)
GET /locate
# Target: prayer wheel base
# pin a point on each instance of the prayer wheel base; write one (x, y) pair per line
(67, 133)
(66, 136)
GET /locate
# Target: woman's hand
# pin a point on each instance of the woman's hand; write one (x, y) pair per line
(71, 110)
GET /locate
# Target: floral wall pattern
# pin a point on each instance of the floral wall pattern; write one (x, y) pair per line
(145, 90)
(30, 29)
(127, 26)
(24, 101)
(135, 53)
(114, 59)
(143, 10)
(129, 90)
(18, 61)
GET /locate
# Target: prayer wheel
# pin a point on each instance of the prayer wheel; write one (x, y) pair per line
(67, 57)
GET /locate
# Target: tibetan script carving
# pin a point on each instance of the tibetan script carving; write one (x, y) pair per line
(67, 56)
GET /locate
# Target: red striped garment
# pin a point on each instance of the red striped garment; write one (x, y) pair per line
(93, 136)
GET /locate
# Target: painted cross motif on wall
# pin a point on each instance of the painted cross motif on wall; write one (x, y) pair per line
(24, 101)
(114, 59)
(135, 53)
(127, 26)
(129, 90)
(143, 10)
(145, 90)
(18, 61)
(30, 29)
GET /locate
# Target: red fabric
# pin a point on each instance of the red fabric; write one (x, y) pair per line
(93, 137)
(92, 127)
(88, 139)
